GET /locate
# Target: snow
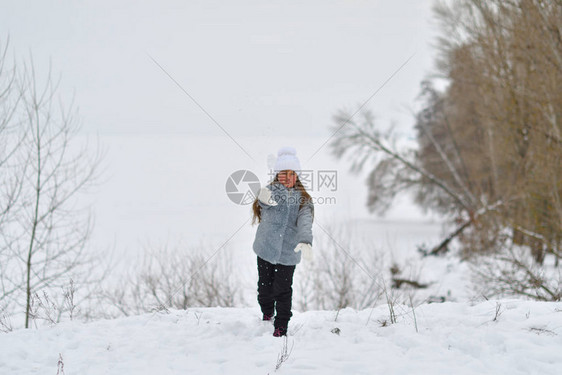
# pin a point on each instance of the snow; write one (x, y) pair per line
(171, 189)
(166, 190)
(524, 338)
(158, 190)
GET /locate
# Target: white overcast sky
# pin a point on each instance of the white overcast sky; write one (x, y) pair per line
(256, 67)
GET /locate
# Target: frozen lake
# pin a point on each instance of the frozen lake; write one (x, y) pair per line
(169, 190)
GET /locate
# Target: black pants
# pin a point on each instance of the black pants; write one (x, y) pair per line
(275, 290)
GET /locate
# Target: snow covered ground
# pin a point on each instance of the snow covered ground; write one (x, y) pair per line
(171, 190)
(494, 337)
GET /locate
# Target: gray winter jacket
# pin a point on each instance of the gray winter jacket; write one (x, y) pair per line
(283, 226)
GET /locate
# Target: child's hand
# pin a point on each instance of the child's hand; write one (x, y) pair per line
(265, 197)
(306, 251)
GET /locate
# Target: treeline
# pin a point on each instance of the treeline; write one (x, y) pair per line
(489, 143)
(494, 134)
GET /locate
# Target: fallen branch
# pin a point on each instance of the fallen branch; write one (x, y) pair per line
(442, 247)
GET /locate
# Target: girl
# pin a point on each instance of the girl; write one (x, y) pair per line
(284, 211)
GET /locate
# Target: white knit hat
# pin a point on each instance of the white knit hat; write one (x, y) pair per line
(287, 159)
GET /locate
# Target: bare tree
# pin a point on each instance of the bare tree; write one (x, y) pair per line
(10, 181)
(45, 229)
(396, 170)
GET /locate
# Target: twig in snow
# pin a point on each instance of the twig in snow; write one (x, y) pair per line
(414, 312)
(198, 317)
(337, 314)
(285, 353)
(540, 331)
(498, 311)
(60, 366)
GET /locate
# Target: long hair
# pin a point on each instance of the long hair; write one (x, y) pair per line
(305, 198)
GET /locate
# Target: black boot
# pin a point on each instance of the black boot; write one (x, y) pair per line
(280, 331)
